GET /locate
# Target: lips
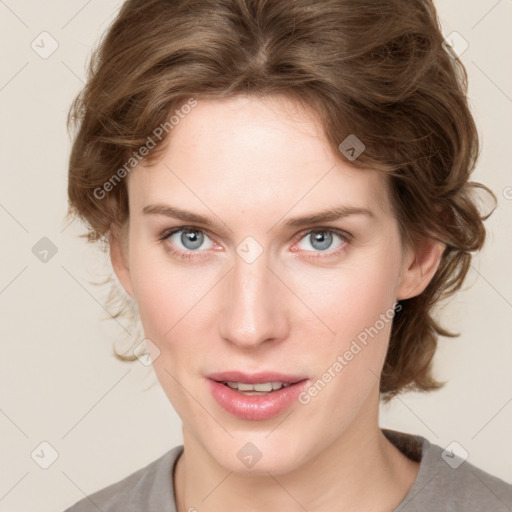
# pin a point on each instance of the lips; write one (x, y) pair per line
(263, 387)
(255, 378)
(255, 396)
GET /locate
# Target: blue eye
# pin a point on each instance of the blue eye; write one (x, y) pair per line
(322, 240)
(187, 242)
(191, 239)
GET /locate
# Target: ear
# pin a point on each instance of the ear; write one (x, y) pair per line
(119, 257)
(419, 266)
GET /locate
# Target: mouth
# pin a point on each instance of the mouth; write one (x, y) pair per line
(263, 388)
(255, 396)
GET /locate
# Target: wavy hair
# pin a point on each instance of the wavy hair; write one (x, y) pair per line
(374, 68)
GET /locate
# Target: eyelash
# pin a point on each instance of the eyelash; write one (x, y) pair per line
(187, 255)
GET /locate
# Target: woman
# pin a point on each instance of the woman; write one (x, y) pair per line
(284, 191)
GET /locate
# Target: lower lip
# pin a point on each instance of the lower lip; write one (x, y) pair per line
(255, 407)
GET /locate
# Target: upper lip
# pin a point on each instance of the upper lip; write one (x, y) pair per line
(255, 378)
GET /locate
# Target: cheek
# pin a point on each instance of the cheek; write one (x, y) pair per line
(356, 303)
(170, 296)
(169, 304)
(351, 297)
(160, 291)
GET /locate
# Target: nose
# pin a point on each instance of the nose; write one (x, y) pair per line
(254, 305)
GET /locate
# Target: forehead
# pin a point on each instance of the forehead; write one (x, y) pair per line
(259, 154)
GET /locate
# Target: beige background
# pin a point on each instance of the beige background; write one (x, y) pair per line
(59, 381)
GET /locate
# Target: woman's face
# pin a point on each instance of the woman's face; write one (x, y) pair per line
(252, 295)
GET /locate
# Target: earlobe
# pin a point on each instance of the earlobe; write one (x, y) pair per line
(118, 258)
(419, 268)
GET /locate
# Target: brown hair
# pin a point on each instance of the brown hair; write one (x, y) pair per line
(374, 68)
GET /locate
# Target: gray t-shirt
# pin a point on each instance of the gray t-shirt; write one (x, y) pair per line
(442, 485)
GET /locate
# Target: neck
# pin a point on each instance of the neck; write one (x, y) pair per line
(361, 470)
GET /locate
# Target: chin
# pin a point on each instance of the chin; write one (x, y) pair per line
(252, 454)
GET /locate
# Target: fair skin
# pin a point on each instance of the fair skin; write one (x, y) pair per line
(251, 165)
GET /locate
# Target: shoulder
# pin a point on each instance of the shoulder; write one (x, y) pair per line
(149, 488)
(450, 483)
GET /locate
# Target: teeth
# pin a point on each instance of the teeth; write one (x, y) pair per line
(263, 387)
(245, 387)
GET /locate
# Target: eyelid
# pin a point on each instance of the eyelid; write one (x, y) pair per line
(344, 235)
(167, 233)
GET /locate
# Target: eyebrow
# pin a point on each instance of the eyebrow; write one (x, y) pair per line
(327, 215)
